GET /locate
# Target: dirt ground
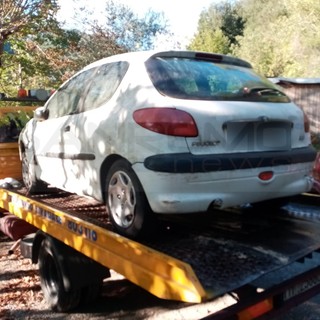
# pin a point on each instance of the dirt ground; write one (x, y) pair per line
(19, 284)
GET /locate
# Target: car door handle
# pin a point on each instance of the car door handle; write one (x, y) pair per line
(66, 129)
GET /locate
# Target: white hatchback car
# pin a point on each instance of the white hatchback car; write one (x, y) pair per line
(168, 132)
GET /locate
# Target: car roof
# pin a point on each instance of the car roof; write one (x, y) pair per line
(145, 55)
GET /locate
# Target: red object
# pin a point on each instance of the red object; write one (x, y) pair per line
(266, 175)
(14, 227)
(22, 93)
(167, 121)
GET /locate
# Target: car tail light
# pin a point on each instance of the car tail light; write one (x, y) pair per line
(306, 122)
(167, 121)
(266, 175)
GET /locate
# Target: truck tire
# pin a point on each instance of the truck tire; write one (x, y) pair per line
(90, 293)
(52, 279)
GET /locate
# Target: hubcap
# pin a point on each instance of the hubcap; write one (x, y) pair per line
(122, 199)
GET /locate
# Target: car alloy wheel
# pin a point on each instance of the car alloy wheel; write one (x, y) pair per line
(122, 199)
(127, 205)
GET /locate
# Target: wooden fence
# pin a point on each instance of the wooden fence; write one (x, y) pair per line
(306, 94)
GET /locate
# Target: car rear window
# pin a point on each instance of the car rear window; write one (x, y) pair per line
(195, 79)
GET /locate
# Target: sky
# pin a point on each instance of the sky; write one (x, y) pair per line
(182, 15)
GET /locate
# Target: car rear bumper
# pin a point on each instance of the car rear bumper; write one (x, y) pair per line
(193, 192)
(190, 163)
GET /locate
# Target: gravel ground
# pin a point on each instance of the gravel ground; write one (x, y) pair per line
(20, 292)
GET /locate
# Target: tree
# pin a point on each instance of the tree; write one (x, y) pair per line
(118, 30)
(210, 40)
(218, 28)
(17, 15)
(19, 20)
(126, 29)
(281, 38)
(52, 58)
(48, 52)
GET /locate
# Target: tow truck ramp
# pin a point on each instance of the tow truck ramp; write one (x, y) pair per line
(257, 262)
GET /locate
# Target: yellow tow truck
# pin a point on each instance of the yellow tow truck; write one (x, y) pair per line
(194, 259)
(267, 262)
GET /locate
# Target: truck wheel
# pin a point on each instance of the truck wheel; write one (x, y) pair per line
(127, 205)
(30, 181)
(51, 277)
(91, 293)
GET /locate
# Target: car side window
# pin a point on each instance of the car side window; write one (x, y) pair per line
(104, 84)
(67, 98)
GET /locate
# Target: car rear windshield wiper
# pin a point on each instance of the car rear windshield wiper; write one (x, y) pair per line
(262, 91)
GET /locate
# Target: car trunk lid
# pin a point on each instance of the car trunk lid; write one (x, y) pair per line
(233, 126)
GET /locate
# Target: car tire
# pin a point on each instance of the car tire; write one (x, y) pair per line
(32, 184)
(127, 205)
(51, 276)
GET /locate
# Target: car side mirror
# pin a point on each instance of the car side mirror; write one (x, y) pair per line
(41, 114)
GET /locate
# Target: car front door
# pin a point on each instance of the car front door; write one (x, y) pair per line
(95, 128)
(56, 138)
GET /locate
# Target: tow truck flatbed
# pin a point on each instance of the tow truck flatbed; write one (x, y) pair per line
(193, 258)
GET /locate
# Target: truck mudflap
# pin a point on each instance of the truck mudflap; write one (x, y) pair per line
(193, 258)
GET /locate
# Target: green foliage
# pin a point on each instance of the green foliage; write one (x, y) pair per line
(218, 28)
(281, 38)
(211, 41)
(26, 16)
(19, 118)
(18, 21)
(232, 24)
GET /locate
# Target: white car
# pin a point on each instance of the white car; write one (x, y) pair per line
(168, 132)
